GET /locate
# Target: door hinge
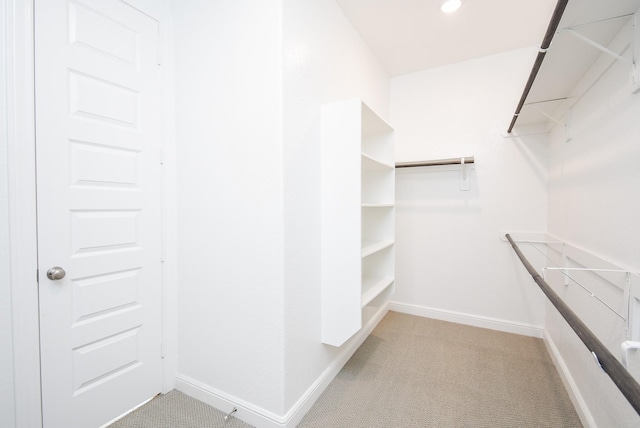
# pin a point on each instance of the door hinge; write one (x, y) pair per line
(162, 349)
(38, 276)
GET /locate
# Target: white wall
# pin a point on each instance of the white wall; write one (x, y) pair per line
(325, 60)
(450, 262)
(230, 206)
(249, 82)
(594, 204)
(7, 403)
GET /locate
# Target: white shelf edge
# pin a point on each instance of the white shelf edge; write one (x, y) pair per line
(375, 287)
(378, 205)
(369, 248)
(378, 161)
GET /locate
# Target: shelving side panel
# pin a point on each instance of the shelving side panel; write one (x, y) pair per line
(341, 218)
(358, 185)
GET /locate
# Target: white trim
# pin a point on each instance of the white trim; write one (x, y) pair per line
(262, 418)
(306, 401)
(569, 384)
(247, 412)
(468, 319)
(169, 212)
(22, 213)
(161, 14)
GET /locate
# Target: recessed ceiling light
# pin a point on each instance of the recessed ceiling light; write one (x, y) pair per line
(448, 6)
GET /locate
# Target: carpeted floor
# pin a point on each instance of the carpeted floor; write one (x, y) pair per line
(415, 372)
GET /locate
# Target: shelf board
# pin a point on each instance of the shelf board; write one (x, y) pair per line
(371, 247)
(377, 162)
(375, 205)
(374, 286)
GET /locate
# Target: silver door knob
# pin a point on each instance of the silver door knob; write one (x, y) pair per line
(56, 273)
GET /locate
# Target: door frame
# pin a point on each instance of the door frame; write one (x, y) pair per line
(20, 122)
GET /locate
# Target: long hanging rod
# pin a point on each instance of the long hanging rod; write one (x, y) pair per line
(437, 162)
(546, 42)
(627, 385)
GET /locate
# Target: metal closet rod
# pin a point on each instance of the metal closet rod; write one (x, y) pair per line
(546, 42)
(627, 385)
(437, 162)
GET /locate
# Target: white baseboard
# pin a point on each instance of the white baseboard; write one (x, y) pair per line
(468, 319)
(263, 418)
(569, 384)
(247, 412)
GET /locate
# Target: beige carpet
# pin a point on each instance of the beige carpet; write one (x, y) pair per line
(415, 372)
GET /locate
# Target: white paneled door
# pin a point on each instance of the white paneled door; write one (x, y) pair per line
(98, 144)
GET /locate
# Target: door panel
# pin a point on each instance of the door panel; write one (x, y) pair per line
(98, 148)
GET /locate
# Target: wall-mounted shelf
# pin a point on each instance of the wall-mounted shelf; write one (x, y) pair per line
(358, 185)
(572, 57)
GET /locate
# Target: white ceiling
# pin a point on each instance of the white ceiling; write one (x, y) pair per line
(412, 35)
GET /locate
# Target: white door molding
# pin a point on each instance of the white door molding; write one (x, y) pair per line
(22, 213)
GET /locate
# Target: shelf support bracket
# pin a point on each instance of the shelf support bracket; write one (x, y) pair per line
(567, 125)
(596, 45)
(544, 113)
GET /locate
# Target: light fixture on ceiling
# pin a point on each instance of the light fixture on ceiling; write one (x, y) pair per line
(448, 6)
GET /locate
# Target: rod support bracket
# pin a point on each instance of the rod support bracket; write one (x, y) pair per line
(627, 346)
(464, 175)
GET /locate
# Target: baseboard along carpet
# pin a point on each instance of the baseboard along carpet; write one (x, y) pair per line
(415, 372)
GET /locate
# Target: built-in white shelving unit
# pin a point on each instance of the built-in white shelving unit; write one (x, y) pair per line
(358, 217)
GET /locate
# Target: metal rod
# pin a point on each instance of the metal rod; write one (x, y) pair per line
(588, 269)
(546, 42)
(525, 241)
(585, 288)
(532, 77)
(437, 162)
(627, 385)
(553, 24)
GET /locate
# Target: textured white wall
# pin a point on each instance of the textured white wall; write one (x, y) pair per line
(325, 60)
(230, 214)
(248, 213)
(594, 204)
(450, 262)
(7, 412)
